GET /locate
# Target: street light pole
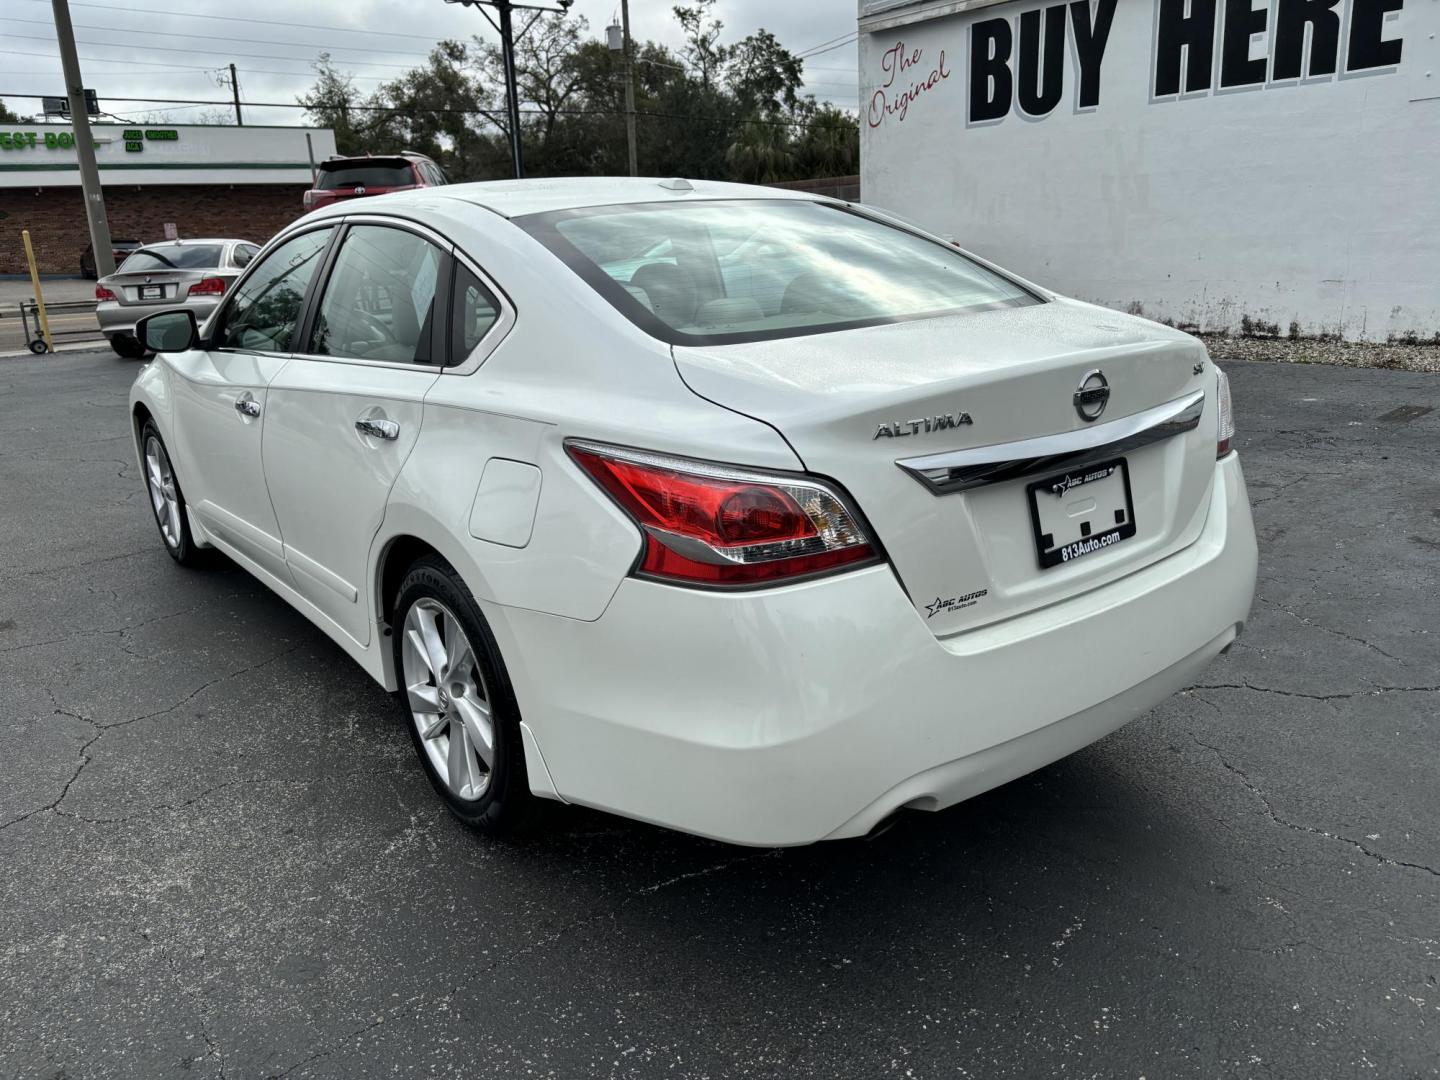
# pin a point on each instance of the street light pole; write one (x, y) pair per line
(629, 87)
(512, 94)
(84, 142)
(505, 8)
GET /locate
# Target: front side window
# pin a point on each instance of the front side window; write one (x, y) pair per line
(265, 309)
(474, 310)
(379, 303)
(174, 257)
(750, 270)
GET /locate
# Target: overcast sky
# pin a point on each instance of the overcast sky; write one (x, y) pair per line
(149, 47)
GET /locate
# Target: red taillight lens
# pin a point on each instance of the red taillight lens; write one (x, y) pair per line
(1226, 410)
(210, 286)
(102, 293)
(715, 525)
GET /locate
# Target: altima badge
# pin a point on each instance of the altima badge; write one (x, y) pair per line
(1092, 396)
(924, 425)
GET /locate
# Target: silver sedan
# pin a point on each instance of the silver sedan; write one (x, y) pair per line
(192, 274)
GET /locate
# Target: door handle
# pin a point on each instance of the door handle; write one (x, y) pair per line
(247, 406)
(378, 429)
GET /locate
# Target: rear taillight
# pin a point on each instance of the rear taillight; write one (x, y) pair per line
(715, 525)
(1227, 415)
(102, 293)
(210, 286)
(309, 199)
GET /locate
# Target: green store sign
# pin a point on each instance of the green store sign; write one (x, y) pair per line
(135, 139)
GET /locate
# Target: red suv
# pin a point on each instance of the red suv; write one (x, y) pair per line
(374, 174)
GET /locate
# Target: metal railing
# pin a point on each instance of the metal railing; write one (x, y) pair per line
(29, 312)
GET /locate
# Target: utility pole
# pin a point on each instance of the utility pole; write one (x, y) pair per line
(84, 142)
(512, 93)
(629, 87)
(505, 8)
(235, 89)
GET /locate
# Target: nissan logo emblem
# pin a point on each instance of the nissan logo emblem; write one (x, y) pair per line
(1092, 395)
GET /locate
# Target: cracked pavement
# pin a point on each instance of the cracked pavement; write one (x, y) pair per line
(218, 858)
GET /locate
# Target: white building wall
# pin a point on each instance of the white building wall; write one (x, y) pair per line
(1314, 200)
(190, 154)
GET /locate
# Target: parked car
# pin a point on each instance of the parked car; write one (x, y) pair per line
(120, 250)
(342, 178)
(765, 548)
(193, 273)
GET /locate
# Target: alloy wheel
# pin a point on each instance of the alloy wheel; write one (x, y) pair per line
(449, 701)
(164, 497)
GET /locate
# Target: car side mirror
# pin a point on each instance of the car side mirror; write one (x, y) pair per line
(168, 331)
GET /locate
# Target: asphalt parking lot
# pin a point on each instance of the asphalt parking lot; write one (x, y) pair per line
(218, 858)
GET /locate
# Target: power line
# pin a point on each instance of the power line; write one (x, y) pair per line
(442, 112)
(142, 63)
(217, 37)
(169, 68)
(213, 52)
(169, 13)
(828, 41)
(831, 48)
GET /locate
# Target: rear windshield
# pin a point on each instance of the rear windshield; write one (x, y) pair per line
(174, 257)
(372, 175)
(751, 270)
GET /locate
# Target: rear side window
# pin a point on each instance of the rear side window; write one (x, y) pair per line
(174, 257)
(351, 176)
(244, 253)
(474, 310)
(265, 309)
(379, 303)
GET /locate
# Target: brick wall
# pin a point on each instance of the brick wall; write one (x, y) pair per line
(56, 217)
(836, 187)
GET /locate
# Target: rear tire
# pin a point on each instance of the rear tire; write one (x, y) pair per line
(167, 501)
(458, 702)
(127, 347)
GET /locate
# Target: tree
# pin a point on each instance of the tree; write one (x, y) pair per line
(703, 51)
(761, 154)
(712, 111)
(439, 110)
(333, 103)
(545, 69)
(8, 117)
(764, 76)
(830, 144)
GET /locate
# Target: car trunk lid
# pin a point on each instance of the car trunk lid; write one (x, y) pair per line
(854, 404)
(140, 286)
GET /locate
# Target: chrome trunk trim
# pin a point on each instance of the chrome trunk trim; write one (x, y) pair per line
(960, 470)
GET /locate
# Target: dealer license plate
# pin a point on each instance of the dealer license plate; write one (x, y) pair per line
(1080, 512)
(152, 292)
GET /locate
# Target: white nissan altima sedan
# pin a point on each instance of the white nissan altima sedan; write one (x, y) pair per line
(750, 513)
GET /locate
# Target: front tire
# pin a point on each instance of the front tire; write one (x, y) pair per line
(166, 499)
(458, 701)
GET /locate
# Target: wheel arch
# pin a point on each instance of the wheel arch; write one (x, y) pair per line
(404, 538)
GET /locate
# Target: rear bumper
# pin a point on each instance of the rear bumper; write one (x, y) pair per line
(812, 712)
(116, 318)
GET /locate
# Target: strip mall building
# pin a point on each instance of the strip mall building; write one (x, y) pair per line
(245, 182)
(1202, 161)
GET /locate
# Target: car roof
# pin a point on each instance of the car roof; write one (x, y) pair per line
(190, 241)
(514, 198)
